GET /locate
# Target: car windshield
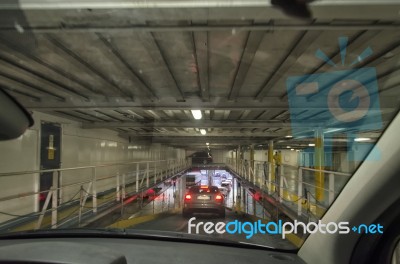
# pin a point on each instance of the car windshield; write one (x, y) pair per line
(138, 103)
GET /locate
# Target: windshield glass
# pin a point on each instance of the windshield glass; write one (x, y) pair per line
(136, 102)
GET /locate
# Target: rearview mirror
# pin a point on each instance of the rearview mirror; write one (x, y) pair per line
(14, 118)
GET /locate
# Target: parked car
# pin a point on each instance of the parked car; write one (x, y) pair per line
(224, 191)
(227, 185)
(204, 199)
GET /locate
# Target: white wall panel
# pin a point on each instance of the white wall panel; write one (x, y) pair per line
(261, 155)
(290, 157)
(79, 147)
(220, 155)
(19, 154)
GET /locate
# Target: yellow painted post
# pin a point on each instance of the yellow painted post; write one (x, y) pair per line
(319, 165)
(271, 170)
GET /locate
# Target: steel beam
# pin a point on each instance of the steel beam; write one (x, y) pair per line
(127, 67)
(68, 52)
(253, 42)
(200, 41)
(217, 103)
(191, 124)
(144, 29)
(151, 44)
(298, 48)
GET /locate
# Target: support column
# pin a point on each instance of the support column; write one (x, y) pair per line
(117, 190)
(239, 197)
(54, 200)
(319, 164)
(233, 193)
(210, 175)
(137, 177)
(94, 189)
(252, 175)
(244, 197)
(147, 175)
(254, 207)
(350, 153)
(237, 159)
(271, 174)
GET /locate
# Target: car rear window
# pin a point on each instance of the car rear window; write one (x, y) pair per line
(211, 189)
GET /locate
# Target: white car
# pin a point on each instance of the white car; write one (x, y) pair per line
(224, 191)
(227, 184)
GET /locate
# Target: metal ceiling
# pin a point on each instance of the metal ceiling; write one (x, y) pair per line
(140, 71)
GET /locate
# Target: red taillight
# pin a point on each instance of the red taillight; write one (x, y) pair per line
(218, 197)
(188, 197)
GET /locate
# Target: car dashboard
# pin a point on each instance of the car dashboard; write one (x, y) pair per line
(122, 250)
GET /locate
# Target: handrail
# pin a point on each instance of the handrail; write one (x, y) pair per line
(116, 183)
(5, 174)
(326, 171)
(271, 178)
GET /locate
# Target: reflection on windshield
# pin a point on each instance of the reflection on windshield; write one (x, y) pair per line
(168, 119)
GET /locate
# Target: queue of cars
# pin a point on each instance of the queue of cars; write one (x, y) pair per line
(207, 198)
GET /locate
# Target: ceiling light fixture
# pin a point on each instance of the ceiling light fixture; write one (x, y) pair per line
(203, 131)
(361, 139)
(333, 130)
(197, 114)
(207, 143)
(311, 145)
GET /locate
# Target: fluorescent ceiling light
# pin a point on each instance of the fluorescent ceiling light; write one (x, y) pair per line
(361, 139)
(203, 131)
(289, 136)
(311, 145)
(288, 147)
(292, 149)
(333, 130)
(197, 114)
(207, 143)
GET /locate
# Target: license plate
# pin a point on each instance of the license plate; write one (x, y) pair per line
(203, 197)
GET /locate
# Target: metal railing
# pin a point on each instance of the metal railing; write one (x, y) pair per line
(72, 188)
(293, 186)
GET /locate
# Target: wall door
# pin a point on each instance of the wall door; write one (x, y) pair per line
(50, 156)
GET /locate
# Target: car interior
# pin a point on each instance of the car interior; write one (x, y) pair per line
(371, 196)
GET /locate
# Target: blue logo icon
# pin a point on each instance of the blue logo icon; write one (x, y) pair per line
(344, 101)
